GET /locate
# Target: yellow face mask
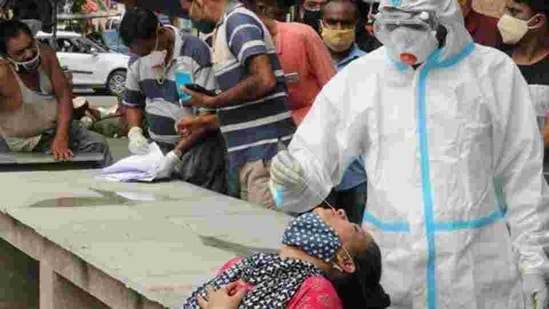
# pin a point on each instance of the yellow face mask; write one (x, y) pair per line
(338, 40)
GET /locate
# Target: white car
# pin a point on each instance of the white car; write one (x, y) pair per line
(91, 65)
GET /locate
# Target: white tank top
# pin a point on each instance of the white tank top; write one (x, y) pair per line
(22, 128)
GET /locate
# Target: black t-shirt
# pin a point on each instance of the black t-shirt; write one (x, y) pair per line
(537, 73)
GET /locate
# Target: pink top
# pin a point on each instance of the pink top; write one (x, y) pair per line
(302, 51)
(315, 292)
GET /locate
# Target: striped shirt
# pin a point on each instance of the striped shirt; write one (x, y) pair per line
(251, 129)
(161, 100)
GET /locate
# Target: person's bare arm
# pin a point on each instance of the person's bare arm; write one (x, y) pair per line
(210, 121)
(60, 144)
(190, 140)
(134, 116)
(187, 124)
(260, 81)
(6, 88)
(191, 128)
(546, 133)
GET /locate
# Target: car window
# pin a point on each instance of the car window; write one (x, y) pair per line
(114, 42)
(43, 41)
(87, 45)
(116, 24)
(65, 45)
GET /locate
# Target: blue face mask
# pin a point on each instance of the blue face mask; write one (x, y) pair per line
(309, 233)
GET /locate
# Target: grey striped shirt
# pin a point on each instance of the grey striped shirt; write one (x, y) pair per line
(161, 100)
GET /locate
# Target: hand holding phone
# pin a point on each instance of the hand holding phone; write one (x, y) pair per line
(200, 89)
(183, 78)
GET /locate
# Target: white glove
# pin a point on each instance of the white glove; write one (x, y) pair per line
(138, 144)
(286, 173)
(535, 291)
(168, 164)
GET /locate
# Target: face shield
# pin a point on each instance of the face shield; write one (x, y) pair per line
(410, 36)
(390, 18)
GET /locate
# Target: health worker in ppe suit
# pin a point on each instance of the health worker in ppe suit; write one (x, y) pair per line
(456, 195)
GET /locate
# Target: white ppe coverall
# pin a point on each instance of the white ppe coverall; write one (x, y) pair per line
(456, 197)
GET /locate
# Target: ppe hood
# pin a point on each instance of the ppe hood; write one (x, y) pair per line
(450, 17)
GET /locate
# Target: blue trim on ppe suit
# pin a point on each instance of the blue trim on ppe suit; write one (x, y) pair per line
(431, 226)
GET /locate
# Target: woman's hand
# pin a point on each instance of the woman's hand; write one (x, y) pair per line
(228, 297)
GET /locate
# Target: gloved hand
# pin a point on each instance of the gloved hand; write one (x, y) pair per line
(168, 164)
(138, 144)
(535, 291)
(286, 173)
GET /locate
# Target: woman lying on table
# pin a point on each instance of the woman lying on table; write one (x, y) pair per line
(320, 249)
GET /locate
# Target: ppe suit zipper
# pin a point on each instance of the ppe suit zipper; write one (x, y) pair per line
(420, 80)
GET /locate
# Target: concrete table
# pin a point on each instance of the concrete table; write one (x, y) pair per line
(31, 161)
(126, 245)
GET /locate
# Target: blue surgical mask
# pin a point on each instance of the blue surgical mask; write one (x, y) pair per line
(309, 233)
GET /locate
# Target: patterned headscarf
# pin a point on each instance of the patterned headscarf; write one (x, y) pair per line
(275, 280)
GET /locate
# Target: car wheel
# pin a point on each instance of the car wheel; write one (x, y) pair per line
(116, 82)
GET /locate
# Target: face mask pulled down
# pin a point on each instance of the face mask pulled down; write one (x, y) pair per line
(312, 18)
(29, 65)
(338, 40)
(158, 61)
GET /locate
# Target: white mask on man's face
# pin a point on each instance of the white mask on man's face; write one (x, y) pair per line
(29, 65)
(157, 56)
(158, 60)
(513, 29)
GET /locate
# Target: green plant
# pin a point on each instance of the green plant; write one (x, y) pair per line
(77, 6)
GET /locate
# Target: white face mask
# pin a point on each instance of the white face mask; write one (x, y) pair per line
(158, 61)
(513, 29)
(158, 57)
(410, 46)
(29, 65)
